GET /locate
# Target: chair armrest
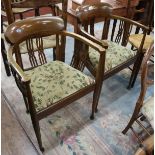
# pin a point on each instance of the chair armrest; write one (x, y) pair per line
(92, 38)
(131, 22)
(88, 42)
(97, 47)
(17, 68)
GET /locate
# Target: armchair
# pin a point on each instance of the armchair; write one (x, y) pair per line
(114, 37)
(48, 86)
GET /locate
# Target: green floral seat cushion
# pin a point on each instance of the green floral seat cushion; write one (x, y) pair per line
(148, 110)
(115, 55)
(54, 81)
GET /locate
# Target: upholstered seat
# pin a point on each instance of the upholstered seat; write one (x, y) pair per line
(115, 55)
(148, 110)
(136, 39)
(54, 81)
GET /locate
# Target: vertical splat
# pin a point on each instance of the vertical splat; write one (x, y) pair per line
(127, 30)
(92, 21)
(105, 28)
(120, 32)
(113, 29)
(30, 48)
(40, 48)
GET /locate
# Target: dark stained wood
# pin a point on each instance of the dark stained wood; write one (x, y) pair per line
(14, 140)
(145, 82)
(41, 27)
(144, 13)
(3, 50)
(119, 8)
(87, 17)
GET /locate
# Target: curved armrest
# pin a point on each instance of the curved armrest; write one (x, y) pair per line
(24, 77)
(88, 42)
(92, 38)
(131, 22)
(97, 47)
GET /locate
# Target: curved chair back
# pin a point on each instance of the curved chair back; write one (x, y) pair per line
(32, 32)
(33, 28)
(97, 10)
(115, 28)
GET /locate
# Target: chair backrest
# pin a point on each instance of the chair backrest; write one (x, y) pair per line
(145, 77)
(30, 33)
(33, 4)
(115, 28)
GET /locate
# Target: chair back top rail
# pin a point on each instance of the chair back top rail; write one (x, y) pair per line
(100, 10)
(120, 27)
(32, 28)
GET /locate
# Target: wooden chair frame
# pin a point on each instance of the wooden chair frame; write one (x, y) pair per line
(144, 84)
(23, 81)
(145, 145)
(91, 14)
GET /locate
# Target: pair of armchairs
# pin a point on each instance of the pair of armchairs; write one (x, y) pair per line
(48, 86)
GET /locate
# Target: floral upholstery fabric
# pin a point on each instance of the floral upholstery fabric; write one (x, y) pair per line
(48, 42)
(136, 39)
(148, 110)
(115, 55)
(54, 81)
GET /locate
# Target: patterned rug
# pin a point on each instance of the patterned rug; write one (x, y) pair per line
(69, 131)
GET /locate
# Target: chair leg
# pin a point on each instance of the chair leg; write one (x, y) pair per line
(21, 16)
(5, 61)
(26, 103)
(36, 127)
(37, 13)
(129, 125)
(132, 75)
(93, 109)
(54, 53)
(133, 118)
(135, 71)
(96, 97)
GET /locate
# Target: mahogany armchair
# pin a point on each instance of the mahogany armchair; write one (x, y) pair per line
(50, 41)
(47, 86)
(114, 37)
(144, 109)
